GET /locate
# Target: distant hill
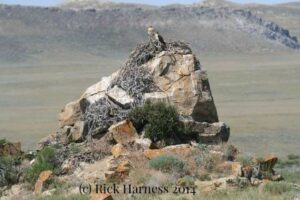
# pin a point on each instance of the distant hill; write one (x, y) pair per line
(82, 30)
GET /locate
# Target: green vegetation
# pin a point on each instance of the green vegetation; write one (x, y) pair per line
(9, 171)
(230, 152)
(187, 181)
(167, 163)
(56, 197)
(245, 160)
(278, 188)
(3, 141)
(161, 122)
(293, 157)
(45, 160)
(291, 160)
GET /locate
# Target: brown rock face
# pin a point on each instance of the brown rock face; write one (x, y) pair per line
(11, 149)
(44, 176)
(185, 84)
(123, 132)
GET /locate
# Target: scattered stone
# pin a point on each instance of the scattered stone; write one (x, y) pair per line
(44, 176)
(118, 150)
(123, 132)
(182, 150)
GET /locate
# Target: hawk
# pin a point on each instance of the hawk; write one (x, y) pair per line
(155, 37)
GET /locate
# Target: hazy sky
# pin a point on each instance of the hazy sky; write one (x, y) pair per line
(155, 2)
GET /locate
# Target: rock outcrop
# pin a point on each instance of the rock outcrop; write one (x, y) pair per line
(170, 73)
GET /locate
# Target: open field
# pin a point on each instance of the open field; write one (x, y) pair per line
(257, 95)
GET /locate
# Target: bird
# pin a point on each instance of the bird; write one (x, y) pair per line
(155, 37)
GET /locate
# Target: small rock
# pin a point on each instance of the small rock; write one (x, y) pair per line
(120, 97)
(236, 169)
(78, 131)
(44, 176)
(67, 167)
(123, 132)
(118, 150)
(145, 143)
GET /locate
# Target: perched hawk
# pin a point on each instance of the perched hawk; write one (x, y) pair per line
(155, 37)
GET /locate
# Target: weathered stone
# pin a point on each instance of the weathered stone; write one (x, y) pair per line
(185, 84)
(78, 131)
(205, 132)
(123, 167)
(120, 97)
(215, 133)
(10, 149)
(182, 150)
(144, 142)
(70, 114)
(123, 132)
(67, 167)
(118, 150)
(118, 171)
(236, 169)
(44, 176)
(99, 87)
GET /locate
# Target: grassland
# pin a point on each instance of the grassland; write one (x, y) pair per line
(257, 95)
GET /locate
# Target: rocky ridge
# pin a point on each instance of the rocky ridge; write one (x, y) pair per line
(100, 30)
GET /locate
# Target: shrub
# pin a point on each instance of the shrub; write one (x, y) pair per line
(204, 177)
(293, 157)
(161, 120)
(9, 172)
(186, 181)
(278, 188)
(45, 160)
(209, 163)
(3, 141)
(167, 163)
(138, 116)
(246, 160)
(230, 152)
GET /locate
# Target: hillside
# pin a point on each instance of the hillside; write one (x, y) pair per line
(76, 31)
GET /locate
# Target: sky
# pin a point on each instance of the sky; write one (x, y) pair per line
(152, 2)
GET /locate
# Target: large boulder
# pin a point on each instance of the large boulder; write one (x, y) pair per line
(170, 73)
(185, 84)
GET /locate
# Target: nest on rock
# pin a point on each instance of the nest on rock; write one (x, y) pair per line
(132, 78)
